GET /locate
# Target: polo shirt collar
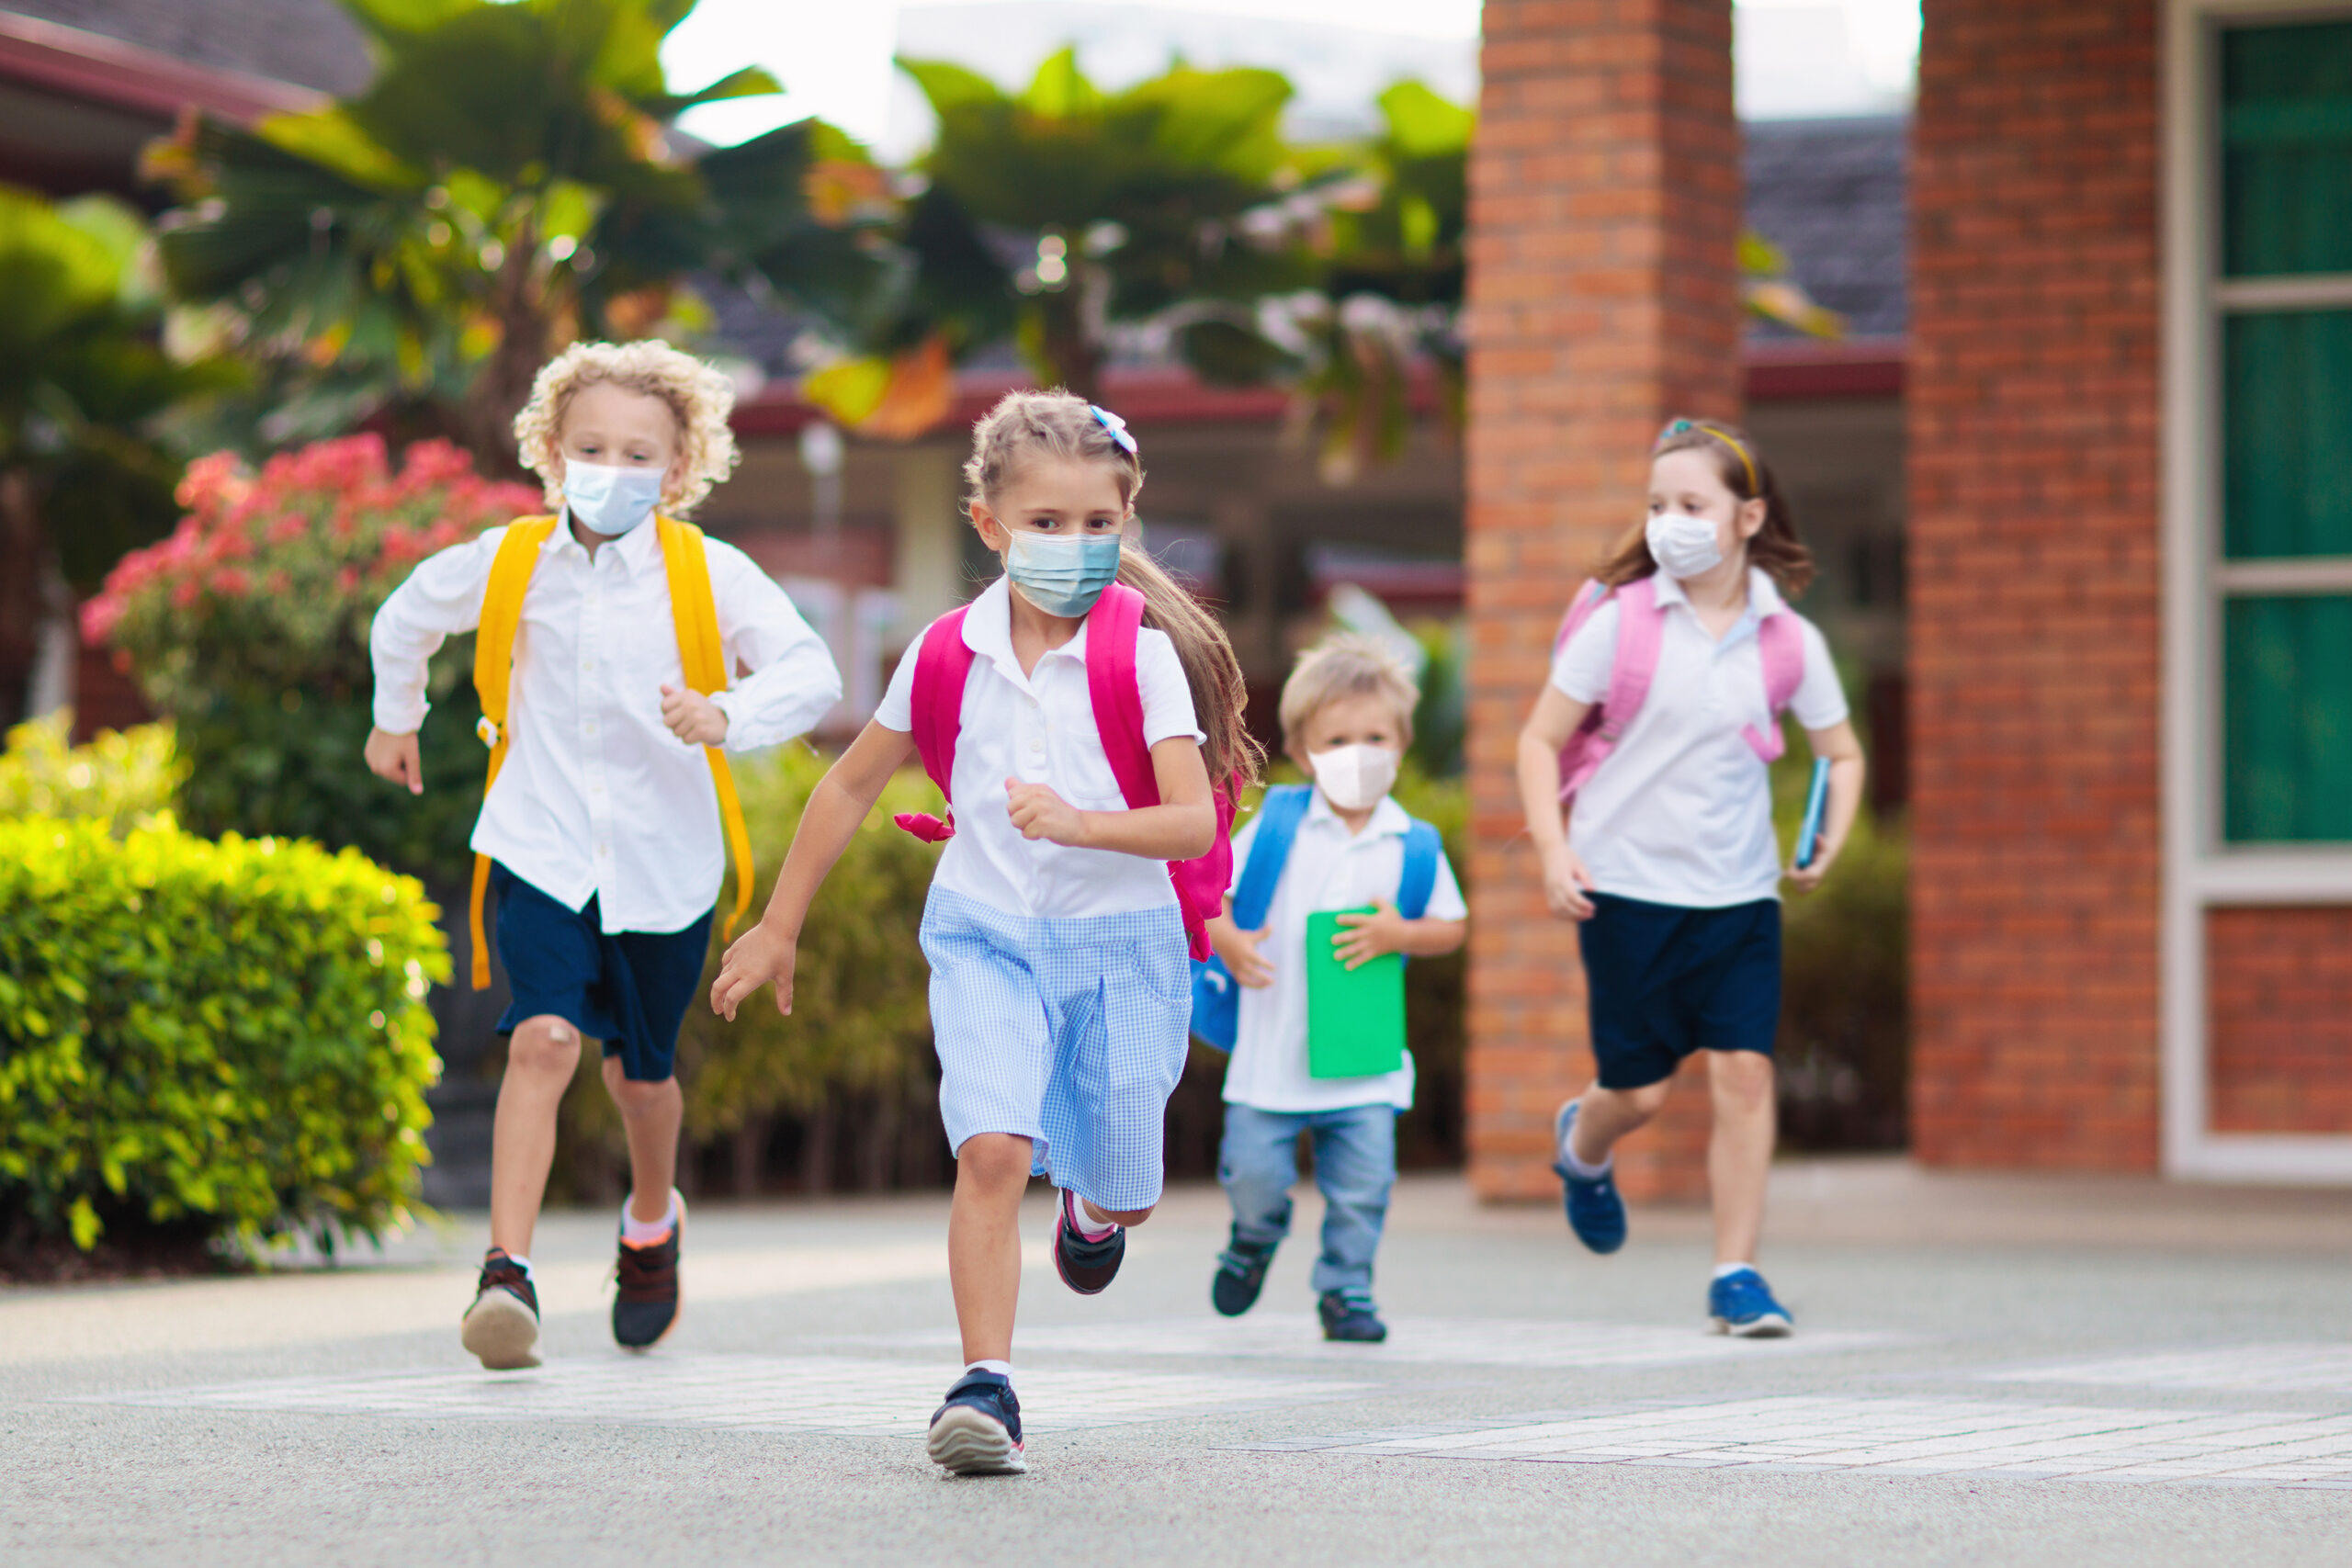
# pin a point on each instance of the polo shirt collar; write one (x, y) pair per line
(1388, 819)
(638, 549)
(988, 632)
(1763, 597)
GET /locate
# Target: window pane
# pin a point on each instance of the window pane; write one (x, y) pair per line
(2287, 719)
(2286, 435)
(2286, 149)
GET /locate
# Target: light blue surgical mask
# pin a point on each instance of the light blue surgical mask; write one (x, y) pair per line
(1062, 577)
(607, 500)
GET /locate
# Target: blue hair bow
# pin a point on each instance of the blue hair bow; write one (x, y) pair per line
(1115, 425)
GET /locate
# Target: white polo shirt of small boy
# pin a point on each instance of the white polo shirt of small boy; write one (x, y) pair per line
(1681, 813)
(1328, 868)
(598, 798)
(1039, 728)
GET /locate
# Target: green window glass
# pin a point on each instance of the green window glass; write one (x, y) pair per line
(2287, 666)
(2286, 435)
(2286, 149)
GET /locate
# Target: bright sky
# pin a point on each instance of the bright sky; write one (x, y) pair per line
(834, 56)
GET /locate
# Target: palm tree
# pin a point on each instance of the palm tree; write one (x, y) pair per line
(509, 180)
(86, 472)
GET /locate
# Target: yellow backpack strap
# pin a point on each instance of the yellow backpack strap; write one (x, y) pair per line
(704, 657)
(502, 613)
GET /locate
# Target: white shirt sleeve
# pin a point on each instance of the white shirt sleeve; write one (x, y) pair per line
(793, 680)
(1580, 672)
(1820, 701)
(896, 710)
(441, 598)
(1167, 695)
(1445, 897)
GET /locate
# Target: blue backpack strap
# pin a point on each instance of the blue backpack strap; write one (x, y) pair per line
(1424, 850)
(1279, 816)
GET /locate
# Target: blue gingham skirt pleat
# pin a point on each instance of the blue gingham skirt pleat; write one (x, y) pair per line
(1069, 1032)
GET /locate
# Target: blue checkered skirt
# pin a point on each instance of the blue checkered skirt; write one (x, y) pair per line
(1068, 1032)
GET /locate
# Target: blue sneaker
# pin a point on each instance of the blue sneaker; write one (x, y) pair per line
(1742, 1303)
(978, 1431)
(1595, 1211)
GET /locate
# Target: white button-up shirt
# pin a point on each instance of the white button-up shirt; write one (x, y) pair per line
(1681, 812)
(1039, 728)
(598, 798)
(1328, 868)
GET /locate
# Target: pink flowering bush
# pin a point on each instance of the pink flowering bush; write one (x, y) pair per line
(248, 628)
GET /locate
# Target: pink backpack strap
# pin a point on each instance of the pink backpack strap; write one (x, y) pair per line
(942, 670)
(1780, 643)
(1641, 635)
(1588, 598)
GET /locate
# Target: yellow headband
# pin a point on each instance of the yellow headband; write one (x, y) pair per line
(1679, 426)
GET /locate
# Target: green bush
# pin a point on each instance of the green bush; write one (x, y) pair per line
(230, 1034)
(124, 778)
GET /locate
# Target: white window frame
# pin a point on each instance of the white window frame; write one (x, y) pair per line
(2202, 872)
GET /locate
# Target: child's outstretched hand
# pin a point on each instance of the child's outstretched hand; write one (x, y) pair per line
(394, 757)
(759, 957)
(1367, 937)
(1566, 883)
(693, 717)
(1039, 813)
(1239, 950)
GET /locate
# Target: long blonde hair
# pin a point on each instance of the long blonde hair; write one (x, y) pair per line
(1062, 424)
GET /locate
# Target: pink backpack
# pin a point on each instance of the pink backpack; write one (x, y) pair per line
(1112, 626)
(1641, 632)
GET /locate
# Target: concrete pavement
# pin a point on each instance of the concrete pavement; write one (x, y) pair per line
(1992, 1369)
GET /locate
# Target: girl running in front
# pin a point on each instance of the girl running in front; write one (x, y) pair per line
(1075, 715)
(1657, 725)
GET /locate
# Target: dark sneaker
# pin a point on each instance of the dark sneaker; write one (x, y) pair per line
(1350, 1319)
(502, 1329)
(978, 1431)
(1595, 1211)
(1085, 1266)
(1742, 1303)
(646, 1304)
(1240, 1275)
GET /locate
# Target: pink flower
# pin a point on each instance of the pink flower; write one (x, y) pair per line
(185, 594)
(231, 582)
(278, 584)
(99, 618)
(288, 528)
(347, 579)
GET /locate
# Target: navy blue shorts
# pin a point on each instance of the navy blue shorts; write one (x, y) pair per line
(629, 990)
(1663, 981)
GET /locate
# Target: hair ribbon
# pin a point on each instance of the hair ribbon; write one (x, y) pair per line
(1115, 425)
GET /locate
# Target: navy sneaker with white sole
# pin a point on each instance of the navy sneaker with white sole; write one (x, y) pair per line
(978, 1430)
(1240, 1275)
(1596, 1213)
(1086, 1266)
(645, 1305)
(1741, 1303)
(502, 1329)
(1352, 1319)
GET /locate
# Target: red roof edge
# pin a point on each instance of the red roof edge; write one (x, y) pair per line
(72, 63)
(1854, 367)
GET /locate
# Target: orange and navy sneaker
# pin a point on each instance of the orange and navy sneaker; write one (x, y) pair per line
(978, 1430)
(502, 1327)
(646, 1304)
(1086, 1266)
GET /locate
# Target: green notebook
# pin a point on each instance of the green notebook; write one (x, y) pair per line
(1355, 1018)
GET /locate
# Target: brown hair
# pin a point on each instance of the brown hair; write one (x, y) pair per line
(1347, 664)
(1741, 466)
(1063, 426)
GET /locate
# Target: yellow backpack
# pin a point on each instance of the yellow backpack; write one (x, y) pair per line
(700, 651)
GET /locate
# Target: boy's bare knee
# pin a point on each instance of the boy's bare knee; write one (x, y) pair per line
(635, 1097)
(1741, 1078)
(546, 1045)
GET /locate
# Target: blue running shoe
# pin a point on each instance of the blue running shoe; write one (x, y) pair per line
(1742, 1303)
(978, 1431)
(1595, 1211)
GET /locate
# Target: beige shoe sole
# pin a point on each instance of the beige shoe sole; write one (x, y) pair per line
(502, 1332)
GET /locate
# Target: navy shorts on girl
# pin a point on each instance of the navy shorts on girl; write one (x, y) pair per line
(1663, 981)
(628, 989)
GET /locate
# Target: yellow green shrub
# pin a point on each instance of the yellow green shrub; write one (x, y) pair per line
(123, 778)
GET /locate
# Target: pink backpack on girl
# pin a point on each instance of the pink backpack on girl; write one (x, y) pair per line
(1112, 628)
(1641, 632)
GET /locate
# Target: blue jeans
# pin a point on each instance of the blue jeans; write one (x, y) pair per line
(1355, 1164)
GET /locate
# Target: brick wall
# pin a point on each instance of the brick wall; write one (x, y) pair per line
(1605, 196)
(2034, 594)
(2278, 995)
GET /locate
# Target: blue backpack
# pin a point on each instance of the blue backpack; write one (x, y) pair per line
(1217, 995)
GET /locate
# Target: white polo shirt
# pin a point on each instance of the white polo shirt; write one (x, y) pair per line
(1681, 812)
(597, 796)
(1328, 868)
(1039, 728)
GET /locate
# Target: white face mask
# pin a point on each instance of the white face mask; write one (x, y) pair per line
(610, 500)
(1354, 778)
(1683, 545)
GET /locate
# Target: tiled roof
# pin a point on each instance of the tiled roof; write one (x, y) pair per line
(311, 42)
(1831, 194)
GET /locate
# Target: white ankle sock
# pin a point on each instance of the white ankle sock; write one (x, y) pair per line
(1001, 1369)
(1725, 1270)
(1569, 1159)
(520, 1262)
(1085, 1226)
(639, 1233)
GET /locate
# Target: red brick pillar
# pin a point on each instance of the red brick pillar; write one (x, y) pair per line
(2034, 641)
(1604, 210)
